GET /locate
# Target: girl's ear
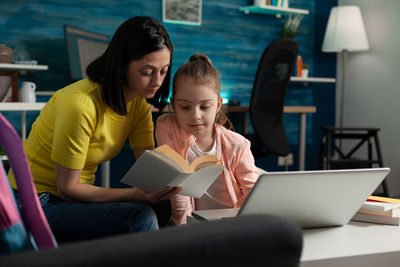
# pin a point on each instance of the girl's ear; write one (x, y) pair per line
(220, 100)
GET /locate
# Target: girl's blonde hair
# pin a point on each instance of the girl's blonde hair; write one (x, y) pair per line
(200, 68)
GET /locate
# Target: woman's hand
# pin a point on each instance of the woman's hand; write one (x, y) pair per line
(70, 188)
(156, 195)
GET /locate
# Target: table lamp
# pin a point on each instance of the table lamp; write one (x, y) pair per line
(344, 33)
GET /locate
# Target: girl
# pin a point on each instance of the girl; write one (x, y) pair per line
(199, 127)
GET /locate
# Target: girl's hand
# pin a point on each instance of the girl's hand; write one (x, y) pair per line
(159, 194)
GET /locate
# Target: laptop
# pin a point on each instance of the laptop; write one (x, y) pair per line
(310, 198)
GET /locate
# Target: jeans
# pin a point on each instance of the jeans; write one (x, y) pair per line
(87, 220)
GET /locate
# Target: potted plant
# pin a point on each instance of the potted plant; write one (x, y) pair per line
(305, 70)
(291, 25)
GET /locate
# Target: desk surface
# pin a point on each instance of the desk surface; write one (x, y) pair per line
(286, 109)
(39, 105)
(6, 66)
(356, 242)
(21, 106)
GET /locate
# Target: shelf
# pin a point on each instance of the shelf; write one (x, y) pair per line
(44, 93)
(21, 106)
(312, 80)
(6, 66)
(273, 10)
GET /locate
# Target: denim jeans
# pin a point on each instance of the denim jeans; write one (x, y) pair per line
(87, 220)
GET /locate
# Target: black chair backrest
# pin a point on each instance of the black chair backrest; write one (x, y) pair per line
(268, 95)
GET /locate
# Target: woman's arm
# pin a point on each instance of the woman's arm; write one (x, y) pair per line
(140, 150)
(70, 188)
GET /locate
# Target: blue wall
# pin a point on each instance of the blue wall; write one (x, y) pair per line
(233, 40)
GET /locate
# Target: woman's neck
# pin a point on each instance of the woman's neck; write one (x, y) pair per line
(129, 96)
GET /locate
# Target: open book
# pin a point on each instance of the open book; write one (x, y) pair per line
(163, 166)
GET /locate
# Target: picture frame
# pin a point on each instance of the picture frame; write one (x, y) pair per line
(185, 12)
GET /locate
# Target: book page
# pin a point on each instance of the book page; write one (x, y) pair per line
(200, 162)
(173, 155)
(204, 161)
(151, 172)
(384, 199)
(167, 159)
(198, 183)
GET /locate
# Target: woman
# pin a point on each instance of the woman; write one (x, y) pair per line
(88, 122)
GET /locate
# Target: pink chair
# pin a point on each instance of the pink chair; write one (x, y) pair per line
(34, 227)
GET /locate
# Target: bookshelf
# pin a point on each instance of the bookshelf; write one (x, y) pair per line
(273, 10)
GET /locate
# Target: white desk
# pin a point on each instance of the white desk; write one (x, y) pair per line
(355, 244)
(301, 110)
(23, 108)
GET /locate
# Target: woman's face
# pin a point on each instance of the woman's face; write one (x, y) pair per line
(145, 76)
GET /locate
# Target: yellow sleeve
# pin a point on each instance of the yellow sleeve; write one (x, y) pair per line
(74, 125)
(143, 127)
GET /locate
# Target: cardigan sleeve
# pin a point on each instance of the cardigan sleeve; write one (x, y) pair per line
(246, 172)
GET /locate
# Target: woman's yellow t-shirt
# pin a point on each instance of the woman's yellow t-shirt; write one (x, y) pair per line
(78, 130)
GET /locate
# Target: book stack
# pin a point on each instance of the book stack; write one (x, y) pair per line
(276, 3)
(298, 67)
(381, 210)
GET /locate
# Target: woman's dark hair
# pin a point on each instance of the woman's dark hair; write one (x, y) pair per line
(135, 38)
(201, 70)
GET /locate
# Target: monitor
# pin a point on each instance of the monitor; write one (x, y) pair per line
(82, 48)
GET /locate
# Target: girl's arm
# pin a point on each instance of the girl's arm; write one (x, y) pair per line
(181, 207)
(246, 172)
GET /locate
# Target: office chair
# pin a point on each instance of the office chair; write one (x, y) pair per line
(268, 97)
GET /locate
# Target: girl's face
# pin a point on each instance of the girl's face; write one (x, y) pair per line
(145, 76)
(196, 105)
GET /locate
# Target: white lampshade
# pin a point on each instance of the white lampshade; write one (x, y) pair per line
(345, 30)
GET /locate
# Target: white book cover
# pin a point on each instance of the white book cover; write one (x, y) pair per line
(361, 217)
(383, 206)
(154, 170)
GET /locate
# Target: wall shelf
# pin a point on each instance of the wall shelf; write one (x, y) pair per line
(6, 66)
(312, 80)
(12, 70)
(273, 10)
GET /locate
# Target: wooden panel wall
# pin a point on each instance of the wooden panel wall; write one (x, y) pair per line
(233, 40)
